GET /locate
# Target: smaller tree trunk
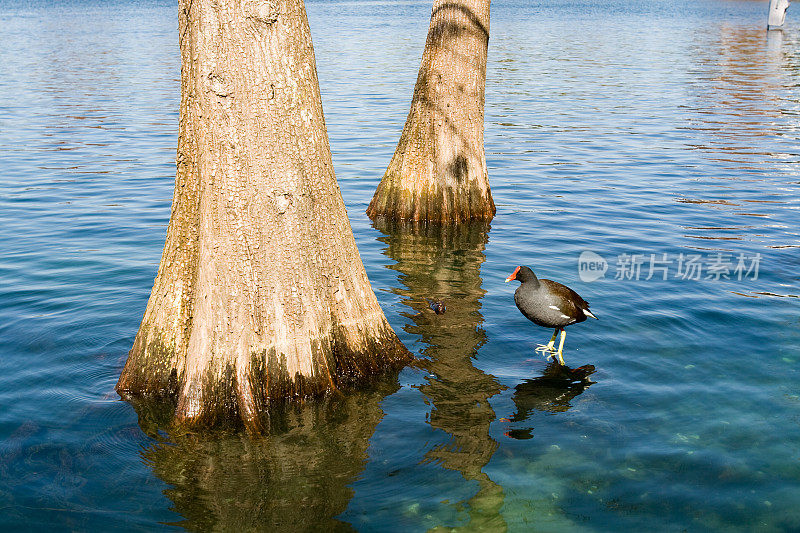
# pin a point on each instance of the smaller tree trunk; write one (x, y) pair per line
(438, 172)
(777, 13)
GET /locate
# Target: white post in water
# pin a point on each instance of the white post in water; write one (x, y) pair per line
(777, 13)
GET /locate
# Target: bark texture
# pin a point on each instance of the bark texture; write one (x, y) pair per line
(261, 293)
(438, 172)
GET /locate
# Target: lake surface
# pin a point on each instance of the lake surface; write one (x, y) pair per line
(662, 136)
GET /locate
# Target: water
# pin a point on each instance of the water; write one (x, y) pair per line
(666, 127)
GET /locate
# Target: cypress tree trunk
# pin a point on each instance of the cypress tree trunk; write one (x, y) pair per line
(261, 293)
(438, 172)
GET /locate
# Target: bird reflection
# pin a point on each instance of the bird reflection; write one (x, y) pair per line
(441, 265)
(296, 477)
(551, 392)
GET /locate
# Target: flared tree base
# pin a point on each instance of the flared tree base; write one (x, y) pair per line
(231, 394)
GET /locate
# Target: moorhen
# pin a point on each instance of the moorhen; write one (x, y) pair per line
(548, 304)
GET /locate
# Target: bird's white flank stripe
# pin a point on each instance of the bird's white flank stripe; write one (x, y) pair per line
(555, 307)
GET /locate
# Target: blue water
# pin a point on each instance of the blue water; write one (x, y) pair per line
(618, 127)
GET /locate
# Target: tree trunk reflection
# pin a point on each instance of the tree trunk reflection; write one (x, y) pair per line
(295, 478)
(443, 263)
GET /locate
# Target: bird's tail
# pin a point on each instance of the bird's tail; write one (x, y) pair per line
(589, 313)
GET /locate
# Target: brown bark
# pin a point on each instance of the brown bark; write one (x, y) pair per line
(261, 293)
(438, 172)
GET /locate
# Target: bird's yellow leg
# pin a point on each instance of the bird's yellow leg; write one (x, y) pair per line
(561, 346)
(551, 346)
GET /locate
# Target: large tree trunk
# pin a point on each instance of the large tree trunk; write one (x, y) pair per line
(261, 293)
(438, 172)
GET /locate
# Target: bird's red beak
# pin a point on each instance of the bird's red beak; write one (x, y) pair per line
(513, 275)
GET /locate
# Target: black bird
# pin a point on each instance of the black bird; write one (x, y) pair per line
(437, 306)
(548, 304)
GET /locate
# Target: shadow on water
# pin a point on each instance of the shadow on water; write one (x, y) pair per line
(551, 393)
(443, 264)
(296, 478)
